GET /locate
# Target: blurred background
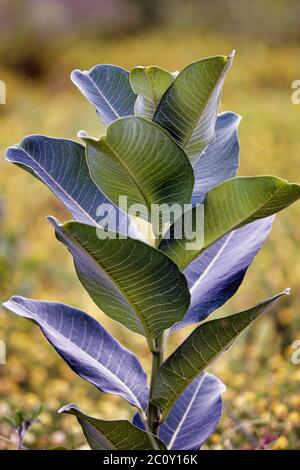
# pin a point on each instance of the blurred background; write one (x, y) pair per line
(41, 43)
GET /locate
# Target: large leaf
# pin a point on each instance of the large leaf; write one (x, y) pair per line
(130, 281)
(112, 435)
(61, 165)
(87, 348)
(138, 159)
(149, 83)
(107, 87)
(217, 274)
(232, 204)
(194, 355)
(188, 109)
(194, 416)
(220, 160)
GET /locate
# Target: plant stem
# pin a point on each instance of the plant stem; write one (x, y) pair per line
(151, 437)
(153, 415)
(157, 242)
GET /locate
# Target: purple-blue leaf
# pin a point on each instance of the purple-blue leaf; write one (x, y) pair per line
(220, 160)
(218, 272)
(61, 165)
(194, 416)
(107, 87)
(87, 348)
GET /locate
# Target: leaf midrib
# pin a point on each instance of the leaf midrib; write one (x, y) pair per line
(98, 364)
(55, 183)
(236, 226)
(144, 323)
(132, 176)
(103, 96)
(190, 379)
(188, 136)
(152, 89)
(109, 444)
(262, 307)
(185, 414)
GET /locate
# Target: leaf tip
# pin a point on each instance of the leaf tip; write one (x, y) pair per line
(82, 134)
(75, 75)
(6, 304)
(9, 152)
(53, 221)
(67, 408)
(12, 300)
(238, 118)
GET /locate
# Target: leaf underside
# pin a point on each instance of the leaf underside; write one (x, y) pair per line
(218, 272)
(194, 415)
(87, 348)
(61, 165)
(220, 160)
(107, 87)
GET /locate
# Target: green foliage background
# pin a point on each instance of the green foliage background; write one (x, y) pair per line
(262, 401)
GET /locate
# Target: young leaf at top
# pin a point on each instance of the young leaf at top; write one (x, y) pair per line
(107, 87)
(138, 159)
(87, 348)
(61, 165)
(112, 435)
(218, 272)
(195, 354)
(149, 84)
(232, 204)
(188, 109)
(220, 160)
(130, 281)
(194, 416)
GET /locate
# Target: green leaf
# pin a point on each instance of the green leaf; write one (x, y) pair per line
(188, 109)
(113, 435)
(204, 345)
(138, 159)
(232, 204)
(149, 83)
(132, 282)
